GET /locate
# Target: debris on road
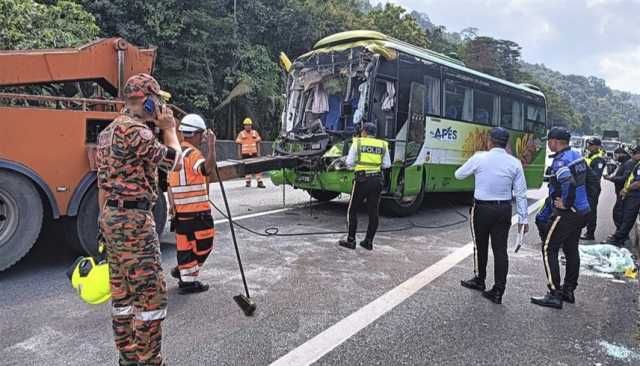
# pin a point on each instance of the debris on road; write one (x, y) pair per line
(607, 258)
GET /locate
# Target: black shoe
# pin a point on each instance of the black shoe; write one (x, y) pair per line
(494, 295)
(612, 241)
(261, 185)
(551, 300)
(192, 287)
(567, 295)
(588, 237)
(475, 283)
(175, 273)
(367, 244)
(349, 244)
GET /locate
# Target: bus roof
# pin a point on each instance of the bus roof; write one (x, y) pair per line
(358, 38)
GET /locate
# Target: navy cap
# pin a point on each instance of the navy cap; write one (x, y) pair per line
(594, 141)
(370, 129)
(559, 133)
(635, 150)
(499, 135)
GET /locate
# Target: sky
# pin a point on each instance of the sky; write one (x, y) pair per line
(584, 37)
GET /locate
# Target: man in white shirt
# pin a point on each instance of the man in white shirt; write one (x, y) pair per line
(498, 177)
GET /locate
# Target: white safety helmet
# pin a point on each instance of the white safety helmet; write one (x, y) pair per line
(192, 123)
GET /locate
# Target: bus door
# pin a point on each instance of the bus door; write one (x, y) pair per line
(410, 139)
(383, 114)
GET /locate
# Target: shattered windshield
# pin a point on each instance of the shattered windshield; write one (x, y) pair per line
(328, 92)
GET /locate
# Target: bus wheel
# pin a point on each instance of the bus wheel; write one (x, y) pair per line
(85, 226)
(400, 207)
(322, 196)
(20, 217)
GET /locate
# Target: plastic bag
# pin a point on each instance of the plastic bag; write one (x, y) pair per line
(606, 258)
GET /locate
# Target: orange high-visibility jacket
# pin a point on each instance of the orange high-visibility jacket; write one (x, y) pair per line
(249, 142)
(188, 186)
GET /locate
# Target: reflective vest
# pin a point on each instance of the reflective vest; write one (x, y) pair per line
(248, 142)
(371, 153)
(632, 176)
(188, 187)
(589, 159)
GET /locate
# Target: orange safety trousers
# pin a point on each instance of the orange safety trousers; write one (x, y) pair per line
(194, 238)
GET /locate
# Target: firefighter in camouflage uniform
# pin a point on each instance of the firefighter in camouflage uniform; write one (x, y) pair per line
(128, 159)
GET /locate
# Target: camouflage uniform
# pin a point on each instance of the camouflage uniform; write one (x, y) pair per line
(128, 158)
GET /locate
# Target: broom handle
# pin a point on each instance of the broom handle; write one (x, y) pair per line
(233, 232)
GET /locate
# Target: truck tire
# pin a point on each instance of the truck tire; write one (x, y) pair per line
(398, 207)
(322, 196)
(84, 227)
(20, 217)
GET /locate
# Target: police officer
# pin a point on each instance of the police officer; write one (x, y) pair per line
(189, 199)
(498, 176)
(128, 159)
(596, 163)
(367, 156)
(618, 178)
(630, 195)
(568, 197)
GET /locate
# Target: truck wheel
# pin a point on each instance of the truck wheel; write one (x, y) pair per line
(85, 226)
(400, 207)
(20, 217)
(322, 196)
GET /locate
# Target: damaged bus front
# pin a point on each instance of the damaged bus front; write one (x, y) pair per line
(433, 111)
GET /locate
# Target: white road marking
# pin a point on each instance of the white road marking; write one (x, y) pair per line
(257, 214)
(318, 346)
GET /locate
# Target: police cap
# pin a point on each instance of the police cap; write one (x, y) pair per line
(370, 128)
(559, 133)
(594, 141)
(635, 150)
(499, 135)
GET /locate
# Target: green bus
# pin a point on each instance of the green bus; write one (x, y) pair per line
(434, 112)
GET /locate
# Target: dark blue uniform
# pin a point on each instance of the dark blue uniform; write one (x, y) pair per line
(619, 177)
(595, 162)
(568, 182)
(630, 209)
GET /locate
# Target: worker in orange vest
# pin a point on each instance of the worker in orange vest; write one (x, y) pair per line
(189, 200)
(249, 147)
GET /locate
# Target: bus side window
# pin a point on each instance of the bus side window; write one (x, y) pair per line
(512, 114)
(535, 119)
(383, 108)
(458, 101)
(432, 102)
(485, 108)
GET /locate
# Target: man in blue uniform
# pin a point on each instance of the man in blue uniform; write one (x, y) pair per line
(618, 178)
(595, 162)
(630, 195)
(568, 197)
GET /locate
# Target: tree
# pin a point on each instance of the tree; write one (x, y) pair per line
(26, 24)
(395, 22)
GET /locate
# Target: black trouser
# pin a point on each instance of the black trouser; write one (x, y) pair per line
(491, 221)
(564, 232)
(630, 209)
(592, 217)
(369, 188)
(618, 211)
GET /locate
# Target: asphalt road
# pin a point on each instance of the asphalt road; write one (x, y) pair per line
(329, 305)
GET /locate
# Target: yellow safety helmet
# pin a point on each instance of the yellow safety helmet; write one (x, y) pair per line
(247, 121)
(90, 277)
